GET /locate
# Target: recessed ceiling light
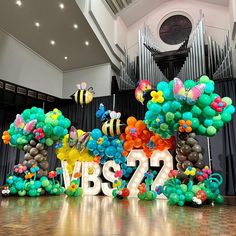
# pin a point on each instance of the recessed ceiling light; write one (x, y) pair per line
(86, 43)
(37, 24)
(52, 42)
(61, 5)
(65, 58)
(19, 3)
(75, 26)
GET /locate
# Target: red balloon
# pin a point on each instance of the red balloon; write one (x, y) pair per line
(125, 192)
(201, 195)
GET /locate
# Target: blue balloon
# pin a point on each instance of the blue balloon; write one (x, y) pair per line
(209, 88)
(162, 85)
(187, 116)
(175, 106)
(110, 151)
(96, 134)
(166, 107)
(91, 145)
(230, 109)
(155, 108)
(208, 122)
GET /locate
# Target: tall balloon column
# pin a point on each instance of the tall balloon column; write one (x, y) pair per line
(34, 131)
(190, 108)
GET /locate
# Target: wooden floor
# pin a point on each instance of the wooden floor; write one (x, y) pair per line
(106, 216)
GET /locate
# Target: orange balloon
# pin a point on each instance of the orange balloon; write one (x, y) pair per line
(127, 129)
(125, 153)
(131, 121)
(138, 143)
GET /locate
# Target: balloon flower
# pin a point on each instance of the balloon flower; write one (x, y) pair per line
(145, 192)
(74, 190)
(120, 190)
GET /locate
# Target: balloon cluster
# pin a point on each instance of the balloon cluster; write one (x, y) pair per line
(36, 154)
(145, 192)
(189, 153)
(192, 106)
(71, 153)
(34, 124)
(108, 148)
(138, 136)
(204, 192)
(23, 182)
(74, 190)
(120, 190)
(143, 87)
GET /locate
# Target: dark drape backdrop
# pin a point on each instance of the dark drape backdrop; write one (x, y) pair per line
(223, 145)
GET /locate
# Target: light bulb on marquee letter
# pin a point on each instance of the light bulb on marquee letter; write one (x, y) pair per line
(66, 176)
(137, 155)
(162, 176)
(108, 175)
(88, 178)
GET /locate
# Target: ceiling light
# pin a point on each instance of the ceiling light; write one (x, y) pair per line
(19, 3)
(75, 26)
(37, 24)
(52, 42)
(61, 5)
(86, 43)
(65, 58)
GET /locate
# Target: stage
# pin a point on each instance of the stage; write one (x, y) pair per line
(98, 215)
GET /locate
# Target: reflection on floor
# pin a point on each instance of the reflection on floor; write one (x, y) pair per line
(105, 216)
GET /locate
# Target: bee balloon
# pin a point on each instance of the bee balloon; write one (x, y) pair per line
(112, 125)
(82, 95)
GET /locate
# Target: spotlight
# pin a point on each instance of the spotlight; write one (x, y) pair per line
(52, 42)
(19, 3)
(65, 58)
(61, 5)
(86, 43)
(75, 26)
(37, 24)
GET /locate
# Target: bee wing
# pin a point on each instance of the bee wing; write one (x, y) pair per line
(113, 115)
(118, 115)
(78, 86)
(83, 85)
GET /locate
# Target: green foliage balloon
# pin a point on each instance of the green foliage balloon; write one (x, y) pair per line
(189, 106)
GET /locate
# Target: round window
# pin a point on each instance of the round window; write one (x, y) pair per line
(175, 29)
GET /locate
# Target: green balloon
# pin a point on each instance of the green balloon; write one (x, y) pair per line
(214, 96)
(201, 129)
(13, 190)
(164, 126)
(227, 100)
(195, 123)
(114, 192)
(209, 112)
(195, 188)
(47, 128)
(183, 187)
(219, 199)
(177, 115)
(49, 142)
(189, 196)
(189, 84)
(218, 124)
(174, 198)
(181, 203)
(170, 116)
(226, 117)
(204, 100)
(22, 193)
(204, 79)
(211, 130)
(142, 196)
(196, 110)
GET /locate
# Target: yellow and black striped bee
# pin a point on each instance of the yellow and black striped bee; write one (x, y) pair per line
(113, 126)
(83, 96)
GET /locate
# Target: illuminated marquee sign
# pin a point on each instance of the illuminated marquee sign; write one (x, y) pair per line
(92, 183)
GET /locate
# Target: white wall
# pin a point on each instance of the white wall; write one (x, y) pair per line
(216, 20)
(98, 77)
(22, 66)
(110, 31)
